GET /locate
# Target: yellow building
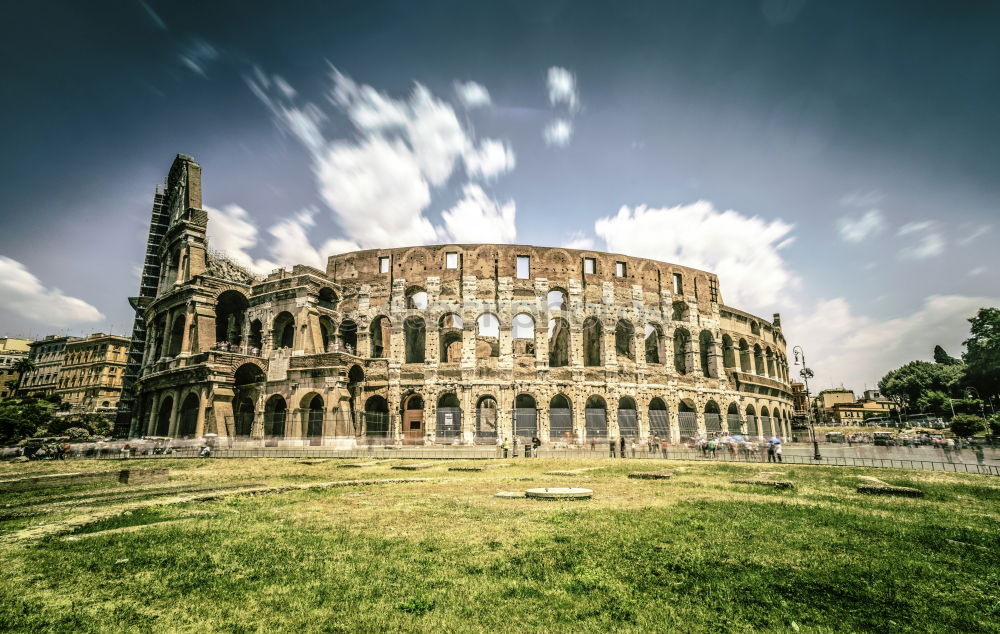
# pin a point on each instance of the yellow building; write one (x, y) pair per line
(855, 413)
(90, 379)
(12, 350)
(48, 355)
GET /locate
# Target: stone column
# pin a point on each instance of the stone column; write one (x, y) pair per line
(153, 413)
(173, 415)
(199, 429)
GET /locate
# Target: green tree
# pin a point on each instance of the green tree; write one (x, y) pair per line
(943, 358)
(966, 425)
(22, 367)
(982, 351)
(908, 383)
(934, 402)
(20, 420)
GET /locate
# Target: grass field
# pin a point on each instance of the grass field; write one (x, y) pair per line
(693, 553)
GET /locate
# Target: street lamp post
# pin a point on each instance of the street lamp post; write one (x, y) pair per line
(806, 374)
(982, 410)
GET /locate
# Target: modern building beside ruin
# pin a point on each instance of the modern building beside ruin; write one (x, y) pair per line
(447, 344)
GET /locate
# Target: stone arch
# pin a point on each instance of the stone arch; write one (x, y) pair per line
(557, 299)
(176, 336)
(754, 328)
(592, 344)
(625, 339)
(414, 333)
(412, 411)
(596, 417)
(758, 360)
(653, 337)
(487, 336)
(680, 311)
(744, 356)
(327, 332)
(327, 298)
(628, 417)
(659, 419)
(249, 373)
(188, 422)
(769, 361)
(313, 406)
(244, 410)
(728, 352)
(230, 314)
(348, 336)
(733, 418)
(687, 419)
(559, 343)
(713, 417)
(449, 417)
(256, 337)
(561, 419)
(379, 334)
(275, 414)
(753, 425)
(376, 417)
(416, 298)
(525, 417)
(706, 353)
(682, 341)
(163, 416)
(486, 420)
(283, 330)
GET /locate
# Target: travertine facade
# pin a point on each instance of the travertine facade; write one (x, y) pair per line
(444, 344)
(90, 379)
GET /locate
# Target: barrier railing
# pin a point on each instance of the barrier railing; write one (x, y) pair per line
(601, 451)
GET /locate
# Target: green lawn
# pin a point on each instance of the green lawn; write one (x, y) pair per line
(693, 553)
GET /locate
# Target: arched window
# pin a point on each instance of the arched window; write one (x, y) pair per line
(487, 336)
(687, 419)
(753, 428)
(558, 343)
(755, 328)
(758, 360)
(744, 356)
(628, 419)
(416, 297)
(713, 417)
(769, 356)
(659, 420)
(188, 423)
(625, 339)
(557, 299)
(706, 352)
(176, 337)
(560, 419)
(244, 411)
(733, 418)
(596, 417)
(230, 314)
(450, 338)
(486, 420)
(728, 353)
(379, 333)
(284, 331)
(523, 332)
(256, 338)
(525, 417)
(654, 343)
(414, 333)
(592, 341)
(348, 335)
(682, 341)
(275, 411)
(680, 312)
(314, 417)
(376, 417)
(449, 417)
(327, 332)
(163, 417)
(327, 299)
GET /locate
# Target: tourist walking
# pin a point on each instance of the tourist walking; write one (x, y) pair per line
(770, 452)
(777, 451)
(500, 451)
(506, 447)
(633, 449)
(712, 445)
(536, 442)
(621, 445)
(611, 447)
(664, 445)
(515, 447)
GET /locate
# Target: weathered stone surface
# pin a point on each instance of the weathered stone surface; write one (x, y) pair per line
(874, 486)
(559, 493)
(777, 484)
(312, 461)
(417, 466)
(510, 494)
(82, 478)
(481, 467)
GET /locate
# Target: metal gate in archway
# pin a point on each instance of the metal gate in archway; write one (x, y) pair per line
(659, 423)
(449, 423)
(486, 426)
(628, 423)
(596, 423)
(687, 422)
(561, 425)
(525, 423)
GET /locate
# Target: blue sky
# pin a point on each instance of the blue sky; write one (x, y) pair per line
(834, 162)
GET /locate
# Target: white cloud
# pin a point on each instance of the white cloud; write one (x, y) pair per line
(743, 251)
(232, 231)
(196, 54)
(479, 218)
(931, 245)
(914, 227)
(380, 184)
(472, 95)
(854, 349)
(857, 229)
(23, 293)
(558, 133)
(577, 240)
(979, 270)
(562, 88)
(976, 232)
(862, 198)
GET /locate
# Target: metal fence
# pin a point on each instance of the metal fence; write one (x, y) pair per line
(688, 424)
(472, 452)
(525, 423)
(597, 423)
(561, 425)
(628, 423)
(659, 423)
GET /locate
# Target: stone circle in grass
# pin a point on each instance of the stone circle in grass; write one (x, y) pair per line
(559, 493)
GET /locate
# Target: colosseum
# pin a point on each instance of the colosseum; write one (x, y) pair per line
(445, 344)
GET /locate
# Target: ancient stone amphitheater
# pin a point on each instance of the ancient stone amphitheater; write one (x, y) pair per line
(447, 344)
